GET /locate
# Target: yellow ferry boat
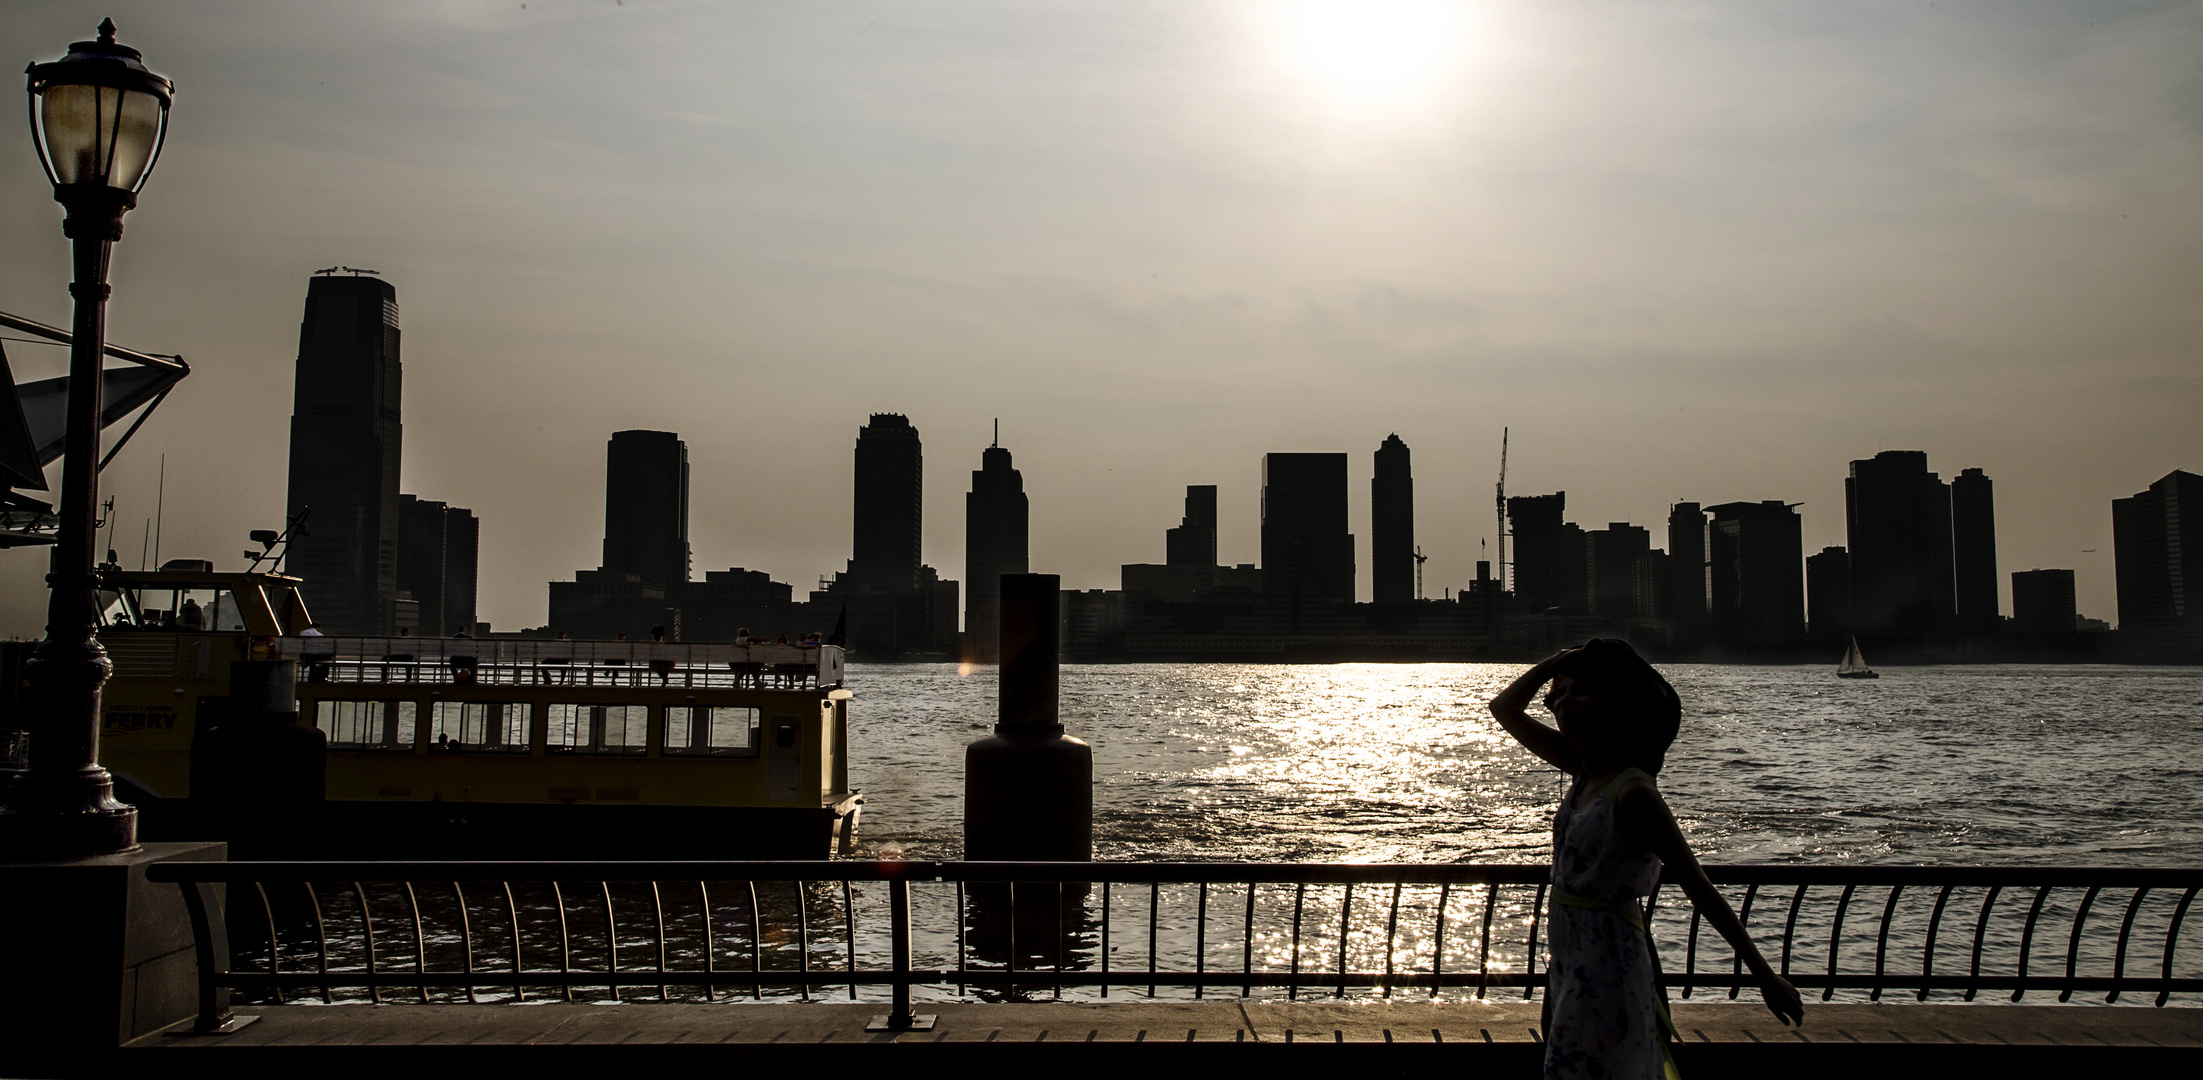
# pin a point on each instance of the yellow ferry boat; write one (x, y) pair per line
(498, 747)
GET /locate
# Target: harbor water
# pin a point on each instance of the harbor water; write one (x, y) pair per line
(1399, 762)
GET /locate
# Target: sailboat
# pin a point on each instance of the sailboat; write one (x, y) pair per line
(1854, 665)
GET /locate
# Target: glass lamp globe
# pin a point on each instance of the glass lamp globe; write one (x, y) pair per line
(98, 115)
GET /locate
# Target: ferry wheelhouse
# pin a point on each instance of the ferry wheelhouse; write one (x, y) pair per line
(493, 747)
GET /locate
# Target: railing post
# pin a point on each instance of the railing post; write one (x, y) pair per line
(899, 1016)
(210, 938)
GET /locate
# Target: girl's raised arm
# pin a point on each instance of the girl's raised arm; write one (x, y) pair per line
(1508, 708)
(1641, 812)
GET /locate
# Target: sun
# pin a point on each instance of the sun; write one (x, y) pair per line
(1372, 53)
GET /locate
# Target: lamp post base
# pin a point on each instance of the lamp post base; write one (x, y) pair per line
(73, 816)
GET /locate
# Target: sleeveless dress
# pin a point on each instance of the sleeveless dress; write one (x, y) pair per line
(1605, 1018)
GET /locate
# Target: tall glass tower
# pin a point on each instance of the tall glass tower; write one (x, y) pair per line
(345, 440)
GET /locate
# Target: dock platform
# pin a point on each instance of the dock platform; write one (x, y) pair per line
(1383, 1036)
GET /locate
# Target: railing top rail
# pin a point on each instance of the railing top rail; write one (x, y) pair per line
(537, 870)
(1174, 872)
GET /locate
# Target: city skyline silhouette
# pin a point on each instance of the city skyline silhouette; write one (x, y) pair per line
(1159, 244)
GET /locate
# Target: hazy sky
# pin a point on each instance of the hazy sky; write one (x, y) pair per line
(1687, 251)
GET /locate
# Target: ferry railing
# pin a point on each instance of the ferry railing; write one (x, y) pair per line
(1017, 930)
(528, 662)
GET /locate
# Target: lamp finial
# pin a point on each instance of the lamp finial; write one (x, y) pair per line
(107, 31)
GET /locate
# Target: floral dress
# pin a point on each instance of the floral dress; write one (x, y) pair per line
(1603, 1009)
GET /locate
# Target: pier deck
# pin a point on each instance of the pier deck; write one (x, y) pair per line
(2014, 1040)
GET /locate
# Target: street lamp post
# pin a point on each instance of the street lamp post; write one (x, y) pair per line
(99, 118)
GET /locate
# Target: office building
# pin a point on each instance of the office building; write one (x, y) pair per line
(1687, 561)
(1392, 525)
(889, 515)
(1973, 554)
(1535, 526)
(2158, 547)
(1193, 542)
(2042, 602)
(1610, 558)
(438, 556)
(608, 605)
(1757, 563)
(1307, 552)
(996, 542)
(1828, 597)
(1898, 520)
(646, 506)
(345, 442)
(730, 601)
(896, 605)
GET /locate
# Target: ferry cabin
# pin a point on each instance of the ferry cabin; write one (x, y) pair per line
(495, 747)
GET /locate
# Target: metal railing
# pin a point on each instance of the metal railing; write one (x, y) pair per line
(1016, 930)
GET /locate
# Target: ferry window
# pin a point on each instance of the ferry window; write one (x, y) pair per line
(716, 730)
(599, 729)
(367, 725)
(480, 725)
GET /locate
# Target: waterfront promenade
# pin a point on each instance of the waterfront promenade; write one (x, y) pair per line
(1376, 1037)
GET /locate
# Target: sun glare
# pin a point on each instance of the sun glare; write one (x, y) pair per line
(1372, 53)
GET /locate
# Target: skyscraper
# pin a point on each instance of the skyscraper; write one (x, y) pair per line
(1540, 550)
(1898, 520)
(2042, 602)
(1307, 554)
(2158, 548)
(1193, 542)
(1392, 525)
(1687, 560)
(1973, 553)
(996, 532)
(1610, 564)
(646, 506)
(889, 516)
(1828, 597)
(437, 563)
(1757, 576)
(345, 442)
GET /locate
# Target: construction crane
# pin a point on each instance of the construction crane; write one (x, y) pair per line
(1499, 504)
(1420, 559)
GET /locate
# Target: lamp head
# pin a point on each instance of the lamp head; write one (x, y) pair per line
(99, 118)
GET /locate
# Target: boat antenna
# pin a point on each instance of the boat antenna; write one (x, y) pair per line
(160, 503)
(998, 431)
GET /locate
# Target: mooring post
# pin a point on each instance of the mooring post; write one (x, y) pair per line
(1029, 788)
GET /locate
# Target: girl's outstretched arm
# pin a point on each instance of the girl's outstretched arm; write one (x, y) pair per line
(1643, 815)
(1508, 708)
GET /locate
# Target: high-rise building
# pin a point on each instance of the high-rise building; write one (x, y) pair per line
(1828, 597)
(2158, 548)
(2042, 602)
(438, 550)
(1193, 542)
(1973, 553)
(895, 604)
(1534, 523)
(889, 517)
(646, 506)
(1687, 560)
(1392, 525)
(1307, 552)
(345, 442)
(1610, 557)
(996, 531)
(1757, 576)
(1898, 520)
